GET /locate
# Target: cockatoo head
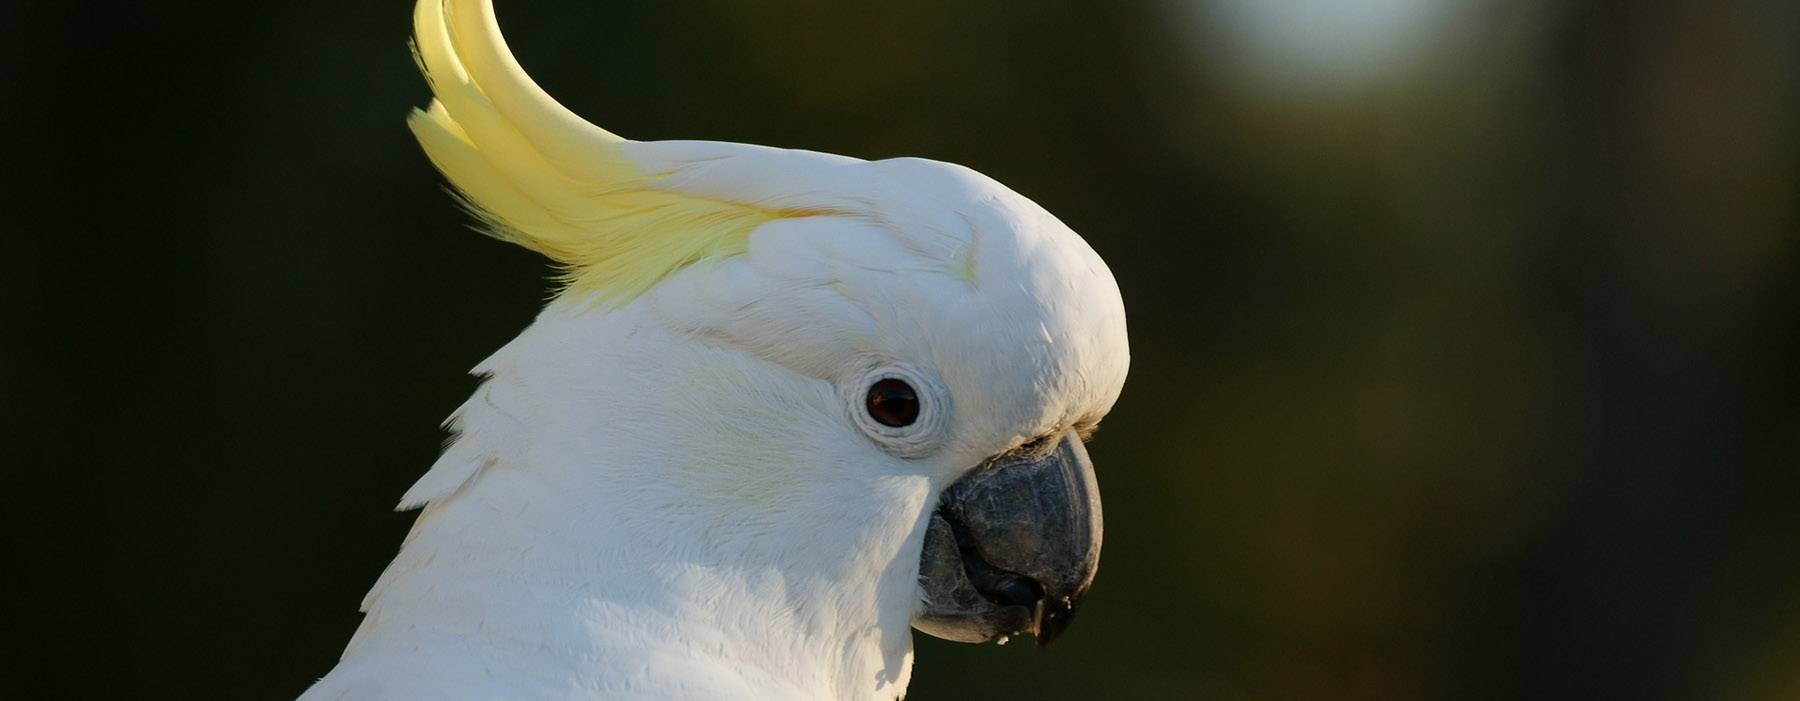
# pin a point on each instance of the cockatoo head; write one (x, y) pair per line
(820, 392)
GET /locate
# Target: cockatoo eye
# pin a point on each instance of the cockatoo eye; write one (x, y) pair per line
(893, 402)
(900, 407)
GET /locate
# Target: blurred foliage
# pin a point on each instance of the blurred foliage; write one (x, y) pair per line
(1462, 373)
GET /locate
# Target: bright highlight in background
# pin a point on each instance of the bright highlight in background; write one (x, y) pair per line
(1318, 43)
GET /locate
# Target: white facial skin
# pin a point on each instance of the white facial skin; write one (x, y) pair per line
(682, 497)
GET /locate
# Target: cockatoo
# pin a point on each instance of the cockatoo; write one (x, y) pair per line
(786, 407)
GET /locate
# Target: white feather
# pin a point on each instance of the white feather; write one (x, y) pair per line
(670, 498)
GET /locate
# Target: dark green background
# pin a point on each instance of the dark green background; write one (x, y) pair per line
(1471, 378)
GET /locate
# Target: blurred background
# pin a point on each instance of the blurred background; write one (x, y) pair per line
(1465, 331)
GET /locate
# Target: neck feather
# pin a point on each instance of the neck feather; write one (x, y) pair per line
(615, 518)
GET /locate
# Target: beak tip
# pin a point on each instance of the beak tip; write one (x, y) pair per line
(1052, 618)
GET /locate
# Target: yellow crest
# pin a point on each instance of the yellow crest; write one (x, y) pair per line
(541, 177)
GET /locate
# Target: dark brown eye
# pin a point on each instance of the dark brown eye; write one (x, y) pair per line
(893, 403)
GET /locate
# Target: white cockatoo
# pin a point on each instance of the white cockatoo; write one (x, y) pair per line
(786, 407)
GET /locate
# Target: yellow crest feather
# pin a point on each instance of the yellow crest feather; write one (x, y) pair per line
(540, 176)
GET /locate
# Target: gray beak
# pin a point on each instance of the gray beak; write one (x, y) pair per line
(1012, 547)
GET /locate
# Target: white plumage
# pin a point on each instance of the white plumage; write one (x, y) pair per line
(669, 495)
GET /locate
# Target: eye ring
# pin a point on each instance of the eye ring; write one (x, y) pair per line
(898, 407)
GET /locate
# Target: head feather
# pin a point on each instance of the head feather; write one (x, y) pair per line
(540, 176)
